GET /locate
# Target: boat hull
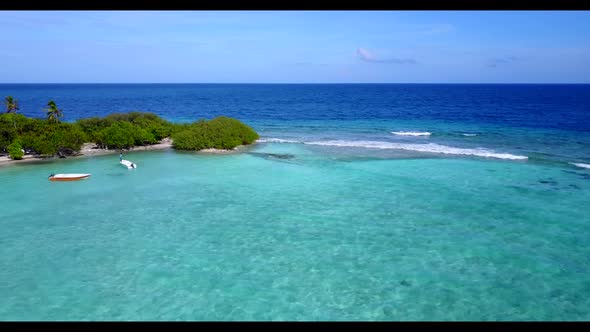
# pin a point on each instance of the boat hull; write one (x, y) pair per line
(66, 177)
(128, 164)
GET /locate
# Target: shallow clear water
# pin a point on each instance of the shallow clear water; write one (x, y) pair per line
(336, 217)
(311, 236)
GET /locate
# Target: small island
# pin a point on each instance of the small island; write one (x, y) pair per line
(38, 138)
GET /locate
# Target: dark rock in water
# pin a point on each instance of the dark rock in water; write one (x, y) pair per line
(66, 152)
(405, 283)
(548, 181)
(282, 156)
(519, 188)
(570, 172)
(273, 155)
(556, 293)
(585, 176)
(388, 311)
(574, 186)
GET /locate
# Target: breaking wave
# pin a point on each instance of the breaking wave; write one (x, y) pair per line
(276, 140)
(581, 165)
(411, 133)
(430, 148)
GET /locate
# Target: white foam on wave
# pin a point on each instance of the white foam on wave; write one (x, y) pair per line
(469, 135)
(581, 165)
(430, 147)
(411, 133)
(275, 140)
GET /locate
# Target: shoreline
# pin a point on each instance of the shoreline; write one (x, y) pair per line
(90, 150)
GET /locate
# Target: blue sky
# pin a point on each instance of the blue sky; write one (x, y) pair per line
(295, 46)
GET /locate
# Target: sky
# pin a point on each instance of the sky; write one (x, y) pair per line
(295, 47)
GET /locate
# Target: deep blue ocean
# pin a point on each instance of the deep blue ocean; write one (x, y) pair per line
(559, 106)
(543, 122)
(359, 202)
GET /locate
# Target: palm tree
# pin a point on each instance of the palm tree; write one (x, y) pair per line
(11, 104)
(53, 113)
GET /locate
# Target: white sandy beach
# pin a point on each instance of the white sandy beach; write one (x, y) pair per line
(90, 149)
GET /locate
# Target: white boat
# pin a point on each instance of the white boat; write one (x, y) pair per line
(128, 164)
(68, 177)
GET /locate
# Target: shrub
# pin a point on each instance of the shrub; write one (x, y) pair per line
(120, 131)
(148, 128)
(50, 138)
(192, 139)
(10, 126)
(71, 137)
(92, 126)
(219, 133)
(143, 137)
(15, 150)
(119, 135)
(7, 134)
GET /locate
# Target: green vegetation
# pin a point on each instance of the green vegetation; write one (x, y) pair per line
(11, 104)
(53, 113)
(40, 136)
(125, 130)
(15, 150)
(50, 137)
(219, 133)
(9, 125)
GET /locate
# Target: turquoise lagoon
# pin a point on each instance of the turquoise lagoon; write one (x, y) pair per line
(295, 232)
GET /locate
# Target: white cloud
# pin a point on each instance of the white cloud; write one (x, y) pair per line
(367, 56)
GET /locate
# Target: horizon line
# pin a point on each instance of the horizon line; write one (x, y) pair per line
(294, 83)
